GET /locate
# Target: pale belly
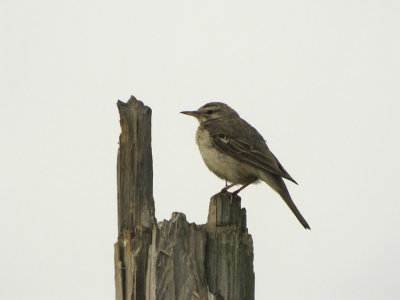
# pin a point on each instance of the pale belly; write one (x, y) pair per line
(222, 165)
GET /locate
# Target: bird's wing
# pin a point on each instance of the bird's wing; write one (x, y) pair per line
(244, 151)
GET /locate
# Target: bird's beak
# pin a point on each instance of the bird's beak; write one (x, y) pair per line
(190, 113)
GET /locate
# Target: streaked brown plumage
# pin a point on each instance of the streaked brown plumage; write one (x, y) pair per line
(234, 150)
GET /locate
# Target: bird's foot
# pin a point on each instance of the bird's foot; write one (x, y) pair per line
(238, 190)
(225, 189)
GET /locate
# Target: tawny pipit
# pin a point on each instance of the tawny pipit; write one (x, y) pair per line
(234, 150)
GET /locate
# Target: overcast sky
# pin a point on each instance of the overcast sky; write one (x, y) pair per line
(318, 79)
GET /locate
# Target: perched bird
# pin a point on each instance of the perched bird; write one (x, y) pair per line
(234, 150)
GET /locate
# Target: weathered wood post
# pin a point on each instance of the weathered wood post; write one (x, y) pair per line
(173, 260)
(135, 200)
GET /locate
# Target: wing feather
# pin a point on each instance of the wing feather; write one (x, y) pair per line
(245, 152)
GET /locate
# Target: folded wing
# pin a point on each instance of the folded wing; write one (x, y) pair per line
(244, 151)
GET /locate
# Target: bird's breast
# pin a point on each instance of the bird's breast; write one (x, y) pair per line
(221, 164)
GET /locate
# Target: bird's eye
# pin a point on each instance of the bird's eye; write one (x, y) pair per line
(209, 112)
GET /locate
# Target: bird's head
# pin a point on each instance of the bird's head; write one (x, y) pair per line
(212, 111)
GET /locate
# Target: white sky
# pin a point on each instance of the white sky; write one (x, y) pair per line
(319, 79)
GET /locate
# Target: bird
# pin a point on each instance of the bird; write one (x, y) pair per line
(235, 151)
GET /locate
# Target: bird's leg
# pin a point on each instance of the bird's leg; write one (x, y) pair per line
(241, 188)
(227, 188)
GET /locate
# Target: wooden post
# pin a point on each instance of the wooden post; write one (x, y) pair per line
(173, 260)
(135, 200)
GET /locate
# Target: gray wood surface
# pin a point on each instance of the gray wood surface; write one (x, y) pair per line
(173, 259)
(136, 216)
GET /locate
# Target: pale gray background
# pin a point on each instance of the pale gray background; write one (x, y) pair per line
(319, 79)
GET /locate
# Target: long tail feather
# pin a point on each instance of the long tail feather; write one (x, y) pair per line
(278, 185)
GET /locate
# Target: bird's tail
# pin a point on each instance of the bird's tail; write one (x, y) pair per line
(278, 185)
